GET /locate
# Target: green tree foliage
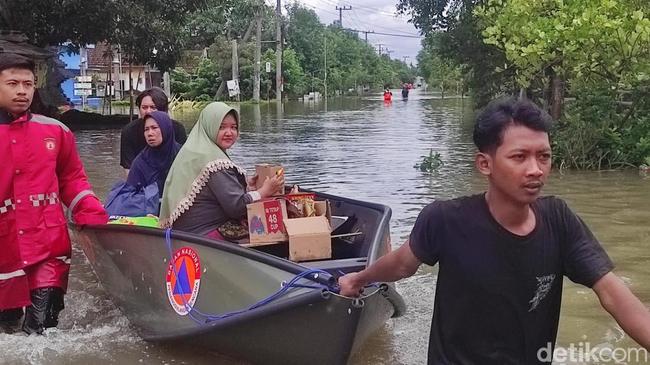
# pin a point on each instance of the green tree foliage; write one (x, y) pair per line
(138, 27)
(601, 49)
(201, 87)
(351, 63)
(596, 49)
(459, 43)
(180, 82)
(601, 39)
(306, 34)
(598, 131)
(293, 74)
(296, 83)
(50, 23)
(439, 72)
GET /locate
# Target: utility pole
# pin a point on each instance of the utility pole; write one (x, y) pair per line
(341, 14)
(278, 52)
(130, 92)
(379, 49)
(235, 63)
(166, 84)
(256, 62)
(325, 69)
(365, 32)
(109, 84)
(83, 65)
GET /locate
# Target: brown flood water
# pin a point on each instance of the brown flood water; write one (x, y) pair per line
(365, 149)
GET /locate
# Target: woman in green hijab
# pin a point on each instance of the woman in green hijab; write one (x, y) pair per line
(205, 192)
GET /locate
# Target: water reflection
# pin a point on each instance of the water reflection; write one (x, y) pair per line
(363, 149)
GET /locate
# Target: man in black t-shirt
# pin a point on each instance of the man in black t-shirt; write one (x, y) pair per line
(132, 139)
(502, 254)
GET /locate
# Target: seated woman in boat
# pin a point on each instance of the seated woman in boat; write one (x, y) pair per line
(140, 194)
(153, 163)
(205, 191)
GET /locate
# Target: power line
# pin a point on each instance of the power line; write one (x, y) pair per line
(379, 26)
(374, 11)
(366, 8)
(360, 22)
(314, 7)
(380, 33)
(370, 11)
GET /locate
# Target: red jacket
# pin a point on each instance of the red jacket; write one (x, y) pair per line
(40, 172)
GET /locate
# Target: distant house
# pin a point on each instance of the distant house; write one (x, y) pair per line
(109, 72)
(72, 65)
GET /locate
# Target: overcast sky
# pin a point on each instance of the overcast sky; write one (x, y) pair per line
(371, 15)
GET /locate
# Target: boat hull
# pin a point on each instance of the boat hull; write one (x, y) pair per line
(304, 325)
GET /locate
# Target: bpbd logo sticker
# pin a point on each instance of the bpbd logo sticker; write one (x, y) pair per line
(183, 280)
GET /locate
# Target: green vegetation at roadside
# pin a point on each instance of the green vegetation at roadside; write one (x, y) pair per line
(586, 61)
(311, 52)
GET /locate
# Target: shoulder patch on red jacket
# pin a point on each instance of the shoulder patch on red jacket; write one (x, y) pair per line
(48, 121)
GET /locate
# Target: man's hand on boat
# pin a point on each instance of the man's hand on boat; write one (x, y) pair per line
(350, 286)
(396, 265)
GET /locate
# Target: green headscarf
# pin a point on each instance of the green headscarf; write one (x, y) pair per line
(198, 158)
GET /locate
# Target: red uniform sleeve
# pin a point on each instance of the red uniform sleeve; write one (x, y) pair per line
(74, 189)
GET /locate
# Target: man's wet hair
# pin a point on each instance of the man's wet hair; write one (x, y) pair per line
(12, 60)
(158, 97)
(500, 114)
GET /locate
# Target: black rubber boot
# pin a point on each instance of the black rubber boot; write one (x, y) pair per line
(55, 306)
(9, 319)
(44, 311)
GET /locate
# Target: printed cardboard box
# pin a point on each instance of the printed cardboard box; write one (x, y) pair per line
(265, 170)
(309, 237)
(266, 221)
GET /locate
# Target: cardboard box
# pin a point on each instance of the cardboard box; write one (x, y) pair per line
(266, 221)
(309, 238)
(323, 208)
(265, 170)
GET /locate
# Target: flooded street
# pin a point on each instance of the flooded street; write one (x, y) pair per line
(363, 149)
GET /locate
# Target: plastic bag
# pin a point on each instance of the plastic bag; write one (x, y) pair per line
(131, 201)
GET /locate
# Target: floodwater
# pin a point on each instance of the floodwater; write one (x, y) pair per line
(365, 149)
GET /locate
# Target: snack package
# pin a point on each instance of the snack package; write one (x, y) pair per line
(300, 205)
(149, 221)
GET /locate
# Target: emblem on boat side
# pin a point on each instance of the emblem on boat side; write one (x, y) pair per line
(183, 280)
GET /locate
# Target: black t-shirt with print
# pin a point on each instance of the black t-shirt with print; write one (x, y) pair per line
(498, 294)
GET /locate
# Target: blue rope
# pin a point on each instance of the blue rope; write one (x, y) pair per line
(286, 286)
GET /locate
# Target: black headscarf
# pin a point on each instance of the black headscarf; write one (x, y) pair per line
(153, 163)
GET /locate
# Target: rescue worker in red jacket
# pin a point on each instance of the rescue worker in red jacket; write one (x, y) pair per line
(40, 172)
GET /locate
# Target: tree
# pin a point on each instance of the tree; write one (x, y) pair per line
(438, 71)
(459, 41)
(50, 23)
(138, 26)
(553, 40)
(305, 35)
